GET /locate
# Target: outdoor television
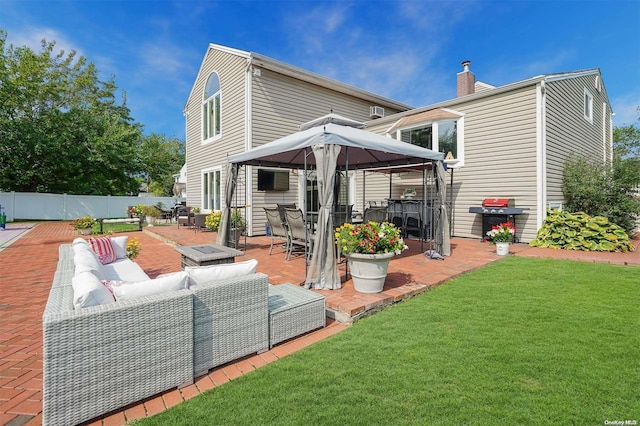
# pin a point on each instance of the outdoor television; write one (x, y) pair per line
(273, 180)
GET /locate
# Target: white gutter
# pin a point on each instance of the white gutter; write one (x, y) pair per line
(541, 154)
(248, 87)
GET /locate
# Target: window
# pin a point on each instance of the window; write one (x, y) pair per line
(211, 107)
(588, 106)
(211, 190)
(441, 136)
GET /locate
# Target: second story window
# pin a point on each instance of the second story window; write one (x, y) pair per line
(211, 108)
(588, 106)
(441, 136)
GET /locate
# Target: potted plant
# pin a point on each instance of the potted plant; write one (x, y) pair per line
(212, 221)
(369, 247)
(136, 211)
(151, 213)
(238, 226)
(84, 224)
(501, 235)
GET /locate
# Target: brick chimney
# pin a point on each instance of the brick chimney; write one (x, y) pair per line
(466, 80)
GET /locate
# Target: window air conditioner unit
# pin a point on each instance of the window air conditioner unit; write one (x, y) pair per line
(376, 112)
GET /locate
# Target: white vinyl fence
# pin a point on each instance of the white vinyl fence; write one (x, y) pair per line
(37, 206)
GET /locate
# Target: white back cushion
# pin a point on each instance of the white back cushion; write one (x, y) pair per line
(168, 282)
(120, 246)
(86, 260)
(205, 274)
(88, 290)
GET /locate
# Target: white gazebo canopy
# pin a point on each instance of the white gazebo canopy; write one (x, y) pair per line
(337, 143)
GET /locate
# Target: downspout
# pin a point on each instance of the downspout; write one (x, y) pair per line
(248, 170)
(541, 153)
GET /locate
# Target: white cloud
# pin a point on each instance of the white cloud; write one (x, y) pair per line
(32, 36)
(626, 108)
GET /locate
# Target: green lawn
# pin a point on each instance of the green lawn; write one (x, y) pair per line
(521, 341)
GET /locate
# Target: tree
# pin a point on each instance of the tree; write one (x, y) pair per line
(160, 158)
(60, 126)
(626, 140)
(609, 190)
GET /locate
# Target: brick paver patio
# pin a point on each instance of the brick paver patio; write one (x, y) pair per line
(28, 263)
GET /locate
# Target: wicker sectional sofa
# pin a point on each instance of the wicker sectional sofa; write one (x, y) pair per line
(101, 358)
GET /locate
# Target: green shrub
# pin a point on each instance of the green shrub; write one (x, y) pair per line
(598, 189)
(579, 231)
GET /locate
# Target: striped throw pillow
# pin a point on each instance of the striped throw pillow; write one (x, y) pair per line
(104, 249)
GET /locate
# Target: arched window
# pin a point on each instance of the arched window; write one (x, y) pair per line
(211, 108)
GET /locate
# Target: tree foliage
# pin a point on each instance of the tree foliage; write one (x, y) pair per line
(609, 190)
(62, 129)
(160, 158)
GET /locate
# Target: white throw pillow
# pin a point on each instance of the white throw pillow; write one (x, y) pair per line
(87, 261)
(88, 290)
(169, 282)
(205, 274)
(120, 246)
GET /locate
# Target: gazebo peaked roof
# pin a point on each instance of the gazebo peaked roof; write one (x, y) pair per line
(366, 150)
(327, 144)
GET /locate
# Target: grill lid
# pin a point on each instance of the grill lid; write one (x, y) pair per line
(498, 202)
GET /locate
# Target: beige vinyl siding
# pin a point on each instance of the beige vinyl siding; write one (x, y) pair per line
(569, 133)
(280, 104)
(231, 71)
(499, 160)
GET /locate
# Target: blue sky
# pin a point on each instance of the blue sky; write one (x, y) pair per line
(409, 51)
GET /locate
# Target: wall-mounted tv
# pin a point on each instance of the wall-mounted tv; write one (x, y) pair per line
(273, 180)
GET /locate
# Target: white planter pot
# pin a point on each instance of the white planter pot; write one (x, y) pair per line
(369, 271)
(85, 231)
(151, 220)
(502, 249)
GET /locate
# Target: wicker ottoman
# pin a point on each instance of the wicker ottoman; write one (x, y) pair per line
(293, 311)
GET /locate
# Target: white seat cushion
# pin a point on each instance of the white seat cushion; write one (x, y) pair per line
(124, 270)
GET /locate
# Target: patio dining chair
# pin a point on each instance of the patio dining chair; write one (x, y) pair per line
(278, 228)
(299, 235)
(375, 214)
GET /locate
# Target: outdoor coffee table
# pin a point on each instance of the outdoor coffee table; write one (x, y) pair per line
(207, 254)
(293, 311)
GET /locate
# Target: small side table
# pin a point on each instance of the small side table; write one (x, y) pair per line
(293, 311)
(207, 254)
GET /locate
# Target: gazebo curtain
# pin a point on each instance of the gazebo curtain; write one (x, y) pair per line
(322, 272)
(443, 243)
(224, 230)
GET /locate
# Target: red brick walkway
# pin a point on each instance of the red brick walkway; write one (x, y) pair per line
(28, 264)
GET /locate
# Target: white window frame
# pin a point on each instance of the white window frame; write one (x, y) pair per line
(587, 105)
(211, 195)
(455, 163)
(211, 110)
